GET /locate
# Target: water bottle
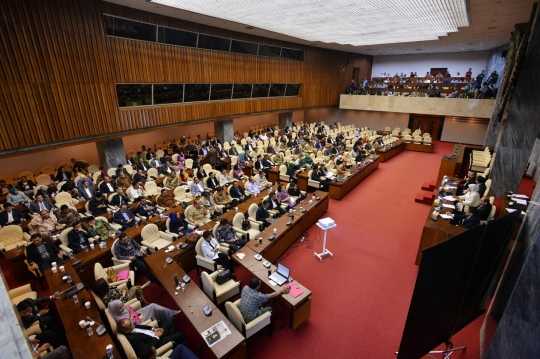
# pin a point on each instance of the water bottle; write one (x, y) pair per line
(89, 330)
(109, 351)
(86, 248)
(76, 300)
(18, 248)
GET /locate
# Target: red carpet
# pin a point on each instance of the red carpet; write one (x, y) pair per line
(360, 296)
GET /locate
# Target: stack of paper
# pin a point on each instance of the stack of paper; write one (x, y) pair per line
(449, 198)
(510, 210)
(521, 201)
(449, 206)
(240, 255)
(519, 196)
(445, 216)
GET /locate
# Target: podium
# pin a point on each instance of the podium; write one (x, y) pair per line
(325, 251)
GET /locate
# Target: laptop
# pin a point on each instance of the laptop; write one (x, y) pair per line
(281, 275)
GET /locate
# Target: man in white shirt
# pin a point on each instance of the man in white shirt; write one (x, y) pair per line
(212, 250)
(86, 191)
(107, 186)
(252, 187)
(224, 179)
(263, 137)
(137, 192)
(197, 188)
(261, 180)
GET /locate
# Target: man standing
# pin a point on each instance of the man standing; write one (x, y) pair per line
(213, 157)
(252, 299)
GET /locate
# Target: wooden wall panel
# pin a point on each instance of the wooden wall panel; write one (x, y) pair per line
(59, 71)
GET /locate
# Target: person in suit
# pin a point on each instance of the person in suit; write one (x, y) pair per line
(180, 352)
(197, 187)
(142, 165)
(40, 204)
(97, 205)
(267, 163)
(319, 176)
(212, 181)
(248, 147)
(107, 186)
(166, 169)
(145, 208)
(275, 204)
(25, 184)
(142, 337)
(62, 175)
(233, 151)
(11, 215)
(119, 198)
(203, 151)
(78, 238)
(259, 166)
(475, 215)
(41, 253)
(121, 169)
(262, 214)
(86, 191)
(124, 217)
(464, 184)
(136, 192)
(154, 162)
(201, 173)
(237, 192)
(481, 182)
(139, 177)
(213, 156)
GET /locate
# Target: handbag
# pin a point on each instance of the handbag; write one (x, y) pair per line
(223, 277)
(112, 275)
(246, 225)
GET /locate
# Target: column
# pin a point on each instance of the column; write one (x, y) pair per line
(224, 130)
(111, 153)
(522, 125)
(285, 119)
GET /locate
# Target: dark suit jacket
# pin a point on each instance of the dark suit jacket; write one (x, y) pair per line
(248, 147)
(104, 189)
(166, 170)
(119, 218)
(60, 178)
(482, 212)
(259, 165)
(34, 206)
(213, 183)
(139, 341)
(83, 194)
(115, 201)
(201, 174)
(237, 192)
(20, 185)
(138, 178)
(123, 170)
(213, 157)
(262, 214)
(94, 209)
(155, 163)
(32, 253)
(268, 163)
(233, 152)
(481, 189)
(74, 241)
(17, 216)
(334, 151)
(471, 222)
(141, 167)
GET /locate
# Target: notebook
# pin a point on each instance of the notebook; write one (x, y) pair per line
(295, 290)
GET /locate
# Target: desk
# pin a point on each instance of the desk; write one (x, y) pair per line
(90, 258)
(273, 174)
(338, 190)
(300, 307)
(418, 147)
(248, 169)
(234, 346)
(385, 155)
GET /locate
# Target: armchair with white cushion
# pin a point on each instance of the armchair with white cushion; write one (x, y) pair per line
(252, 216)
(12, 236)
(312, 182)
(64, 198)
(19, 294)
(117, 261)
(202, 261)
(100, 272)
(216, 292)
(155, 239)
(250, 328)
(151, 188)
(252, 232)
(181, 195)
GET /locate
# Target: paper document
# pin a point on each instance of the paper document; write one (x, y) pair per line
(449, 198)
(216, 333)
(510, 210)
(272, 282)
(240, 255)
(521, 201)
(519, 196)
(448, 205)
(295, 290)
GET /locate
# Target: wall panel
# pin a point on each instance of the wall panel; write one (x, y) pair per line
(59, 71)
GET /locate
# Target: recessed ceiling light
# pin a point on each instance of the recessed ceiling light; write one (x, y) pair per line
(322, 20)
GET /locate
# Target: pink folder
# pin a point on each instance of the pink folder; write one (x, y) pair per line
(295, 290)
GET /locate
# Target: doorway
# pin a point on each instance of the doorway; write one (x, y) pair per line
(429, 124)
(355, 74)
(435, 70)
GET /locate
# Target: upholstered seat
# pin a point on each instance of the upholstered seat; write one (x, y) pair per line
(252, 327)
(155, 239)
(216, 292)
(11, 236)
(251, 233)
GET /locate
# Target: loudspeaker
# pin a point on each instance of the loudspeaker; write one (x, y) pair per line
(503, 53)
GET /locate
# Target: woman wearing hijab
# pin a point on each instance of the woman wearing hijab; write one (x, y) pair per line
(470, 198)
(16, 197)
(241, 161)
(120, 311)
(178, 224)
(109, 293)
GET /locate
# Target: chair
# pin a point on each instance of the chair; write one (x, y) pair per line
(100, 272)
(11, 236)
(283, 173)
(387, 128)
(19, 294)
(152, 188)
(43, 180)
(181, 195)
(251, 232)
(29, 175)
(102, 306)
(117, 261)
(64, 198)
(492, 213)
(216, 292)
(67, 166)
(252, 216)
(64, 240)
(188, 163)
(488, 186)
(160, 153)
(111, 172)
(9, 179)
(93, 169)
(311, 182)
(155, 239)
(48, 170)
(203, 262)
(152, 173)
(252, 327)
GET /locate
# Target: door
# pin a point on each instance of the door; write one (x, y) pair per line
(435, 70)
(429, 124)
(355, 73)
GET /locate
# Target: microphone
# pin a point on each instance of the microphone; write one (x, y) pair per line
(72, 257)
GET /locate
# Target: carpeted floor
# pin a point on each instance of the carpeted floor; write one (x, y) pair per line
(361, 295)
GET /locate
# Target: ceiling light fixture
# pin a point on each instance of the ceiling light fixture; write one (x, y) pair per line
(329, 21)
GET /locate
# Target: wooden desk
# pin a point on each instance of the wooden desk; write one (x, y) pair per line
(273, 174)
(90, 258)
(248, 169)
(418, 147)
(191, 303)
(339, 189)
(299, 307)
(385, 155)
(80, 343)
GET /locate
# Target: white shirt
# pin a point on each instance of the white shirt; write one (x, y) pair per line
(10, 216)
(135, 193)
(145, 331)
(42, 206)
(88, 192)
(110, 187)
(207, 249)
(253, 187)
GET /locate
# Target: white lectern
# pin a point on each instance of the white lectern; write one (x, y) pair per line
(324, 250)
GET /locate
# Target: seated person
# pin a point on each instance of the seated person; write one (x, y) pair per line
(124, 181)
(11, 215)
(127, 249)
(172, 180)
(267, 163)
(45, 223)
(306, 161)
(197, 187)
(262, 214)
(166, 169)
(78, 238)
(41, 253)
(198, 215)
(97, 205)
(119, 198)
(253, 187)
(142, 165)
(67, 215)
(107, 187)
(41, 203)
(470, 198)
(201, 173)
(464, 184)
(259, 165)
(178, 224)
(223, 199)
(318, 175)
(86, 191)
(226, 234)
(473, 217)
(109, 293)
(146, 209)
(124, 217)
(62, 175)
(98, 227)
(17, 197)
(25, 184)
(139, 177)
(341, 171)
(212, 250)
(166, 200)
(237, 172)
(209, 205)
(295, 192)
(224, 178)
(237, 192)
(212, 181)
(137, 192)
(284, 197)
(252, 299)
(275, 204)
(120, 170)
(30, 313)
(481, 182)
